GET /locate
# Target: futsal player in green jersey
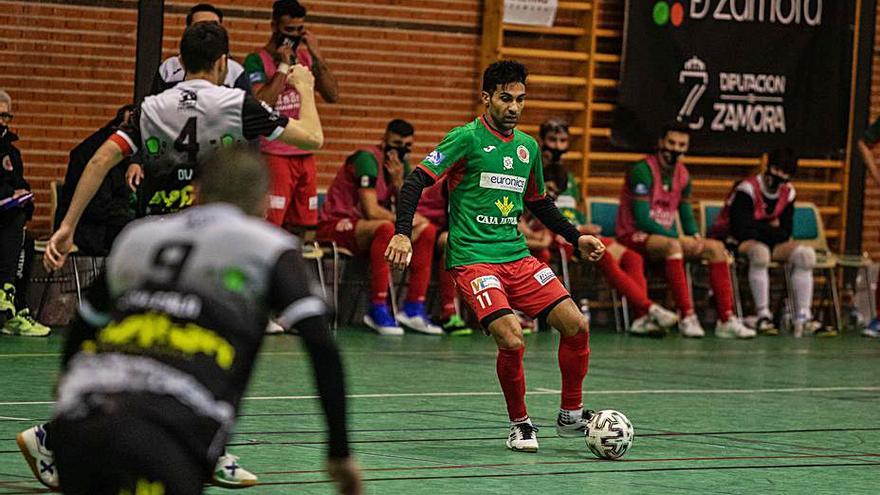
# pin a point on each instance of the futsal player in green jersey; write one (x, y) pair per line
(493, 173)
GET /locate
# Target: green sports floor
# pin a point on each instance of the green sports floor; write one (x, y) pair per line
(772, 415)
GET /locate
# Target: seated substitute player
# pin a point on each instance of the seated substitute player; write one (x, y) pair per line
(158, 360)
(357, 216)
(623, 268)
(757, 222)
(657, 189)
(494, 171)
(179, 126)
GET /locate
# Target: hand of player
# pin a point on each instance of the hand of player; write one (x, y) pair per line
(591, 247)
(302, 79)
(699, 246)
(399, 252)
(19, 193)
(347, 476)
(133, 176)
(286, 53)
(311, 42)
(774, 223)
(58, 247)
(394, 167)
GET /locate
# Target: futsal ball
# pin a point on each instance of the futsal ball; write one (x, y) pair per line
(609, 434)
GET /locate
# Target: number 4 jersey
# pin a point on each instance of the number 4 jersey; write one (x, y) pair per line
(173, 130)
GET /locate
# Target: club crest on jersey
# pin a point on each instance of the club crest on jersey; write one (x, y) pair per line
(522, 153)
(545, 276)
(187, 100)
(508, 163)
(435, 157)
(480, 284)
(7, 163)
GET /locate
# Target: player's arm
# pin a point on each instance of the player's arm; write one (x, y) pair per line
(305, 133)
(686, 213)
(326, 82)
(258, 119)
(545, 210)
(294, 296)
(264, 88)
(366, 172)
(640, 182)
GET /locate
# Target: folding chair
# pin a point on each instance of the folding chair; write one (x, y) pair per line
(602, 211)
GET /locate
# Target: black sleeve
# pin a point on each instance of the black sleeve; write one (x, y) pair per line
(243, 82)
(408, 200)
(743, 226)
(18, 166)
(545, 210)
(293, 294)
(258, 119)
(93, 314)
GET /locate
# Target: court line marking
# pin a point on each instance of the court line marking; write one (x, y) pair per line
(12, 418)
(670, 391)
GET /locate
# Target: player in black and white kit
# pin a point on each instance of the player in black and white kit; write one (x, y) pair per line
(156, 364)
(179, 126)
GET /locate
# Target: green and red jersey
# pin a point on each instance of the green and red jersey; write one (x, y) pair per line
(490, 177)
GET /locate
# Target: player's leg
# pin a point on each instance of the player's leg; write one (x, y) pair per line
(758, 255)
(413, 314)
(372, 238)
(574, 361)
(280, 189)
(452, 323)
(483, 287)
(716, 255)
(624, 269)
(670, 250)
(801, 261)
(302, 216)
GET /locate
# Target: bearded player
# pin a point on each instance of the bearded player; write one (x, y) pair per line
(493, 173)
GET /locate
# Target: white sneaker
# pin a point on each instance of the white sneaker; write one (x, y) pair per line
(809, 327)
(733, 328)
(762, 324)
(663, 317)
(690, 326)
(568, 426)
(228, 474)
(418, 323)
(32, 443)
(523, 437)
(382, 329)
(646, 326)
(273, 328)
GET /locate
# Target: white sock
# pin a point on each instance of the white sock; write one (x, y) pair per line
(571, 415)
(802, 284)
(759, 281)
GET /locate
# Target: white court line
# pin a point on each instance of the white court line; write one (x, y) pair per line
(671, 391)
(10, 418)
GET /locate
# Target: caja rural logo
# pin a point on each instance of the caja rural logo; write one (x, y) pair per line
(785, 12)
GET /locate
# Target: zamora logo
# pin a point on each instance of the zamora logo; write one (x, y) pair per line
(784, 12)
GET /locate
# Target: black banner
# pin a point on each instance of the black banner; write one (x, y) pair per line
(746, 75)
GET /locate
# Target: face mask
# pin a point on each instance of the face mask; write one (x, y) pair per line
(670, 156)
(774, 181)
(555, 154)
(291, 41)
(402, 151)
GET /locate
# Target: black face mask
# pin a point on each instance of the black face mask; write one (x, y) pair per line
(555, 154)
(670, 156)
(774, 181)
(402, 151)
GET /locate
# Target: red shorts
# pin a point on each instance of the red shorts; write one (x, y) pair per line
(493, 290)
(293, 194)
(637, 241)
(341, 232)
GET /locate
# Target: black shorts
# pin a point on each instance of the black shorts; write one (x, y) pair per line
(105, 454)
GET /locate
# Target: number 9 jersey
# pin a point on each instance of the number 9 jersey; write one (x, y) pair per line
(173, 130)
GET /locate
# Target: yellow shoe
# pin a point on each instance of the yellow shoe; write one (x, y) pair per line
(25, 325)
(7, 302)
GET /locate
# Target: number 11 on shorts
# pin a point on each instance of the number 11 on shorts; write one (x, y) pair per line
(484, 300)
